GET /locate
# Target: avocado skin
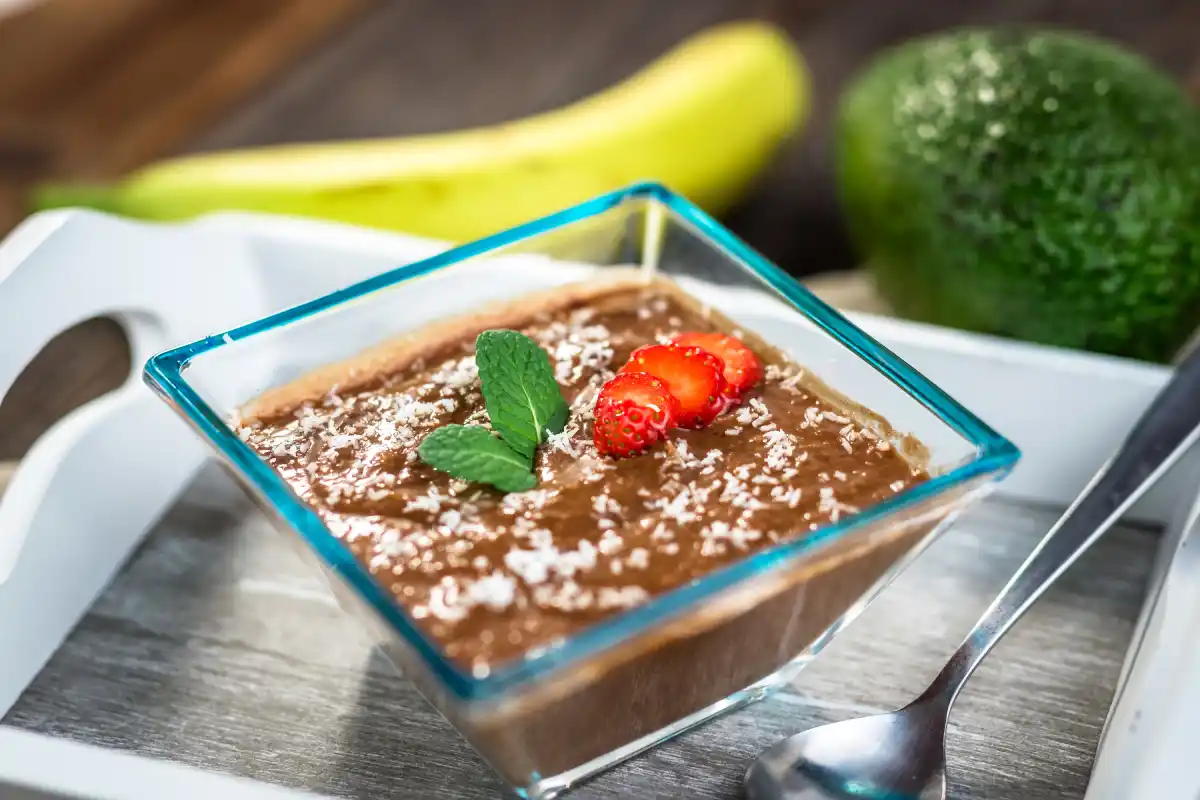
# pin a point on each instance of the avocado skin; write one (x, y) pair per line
(1040, 185)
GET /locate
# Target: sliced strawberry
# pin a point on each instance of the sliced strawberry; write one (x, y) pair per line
(743, 369)
(693, 375)
(634, 410)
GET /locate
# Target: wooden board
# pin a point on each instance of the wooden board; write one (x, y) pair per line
(92, 88)
(218, 647)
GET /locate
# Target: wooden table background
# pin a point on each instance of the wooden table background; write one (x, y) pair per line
(90, 88)
(202, 653)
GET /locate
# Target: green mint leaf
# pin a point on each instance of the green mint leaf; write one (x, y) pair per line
(472, 453)
(523, 400)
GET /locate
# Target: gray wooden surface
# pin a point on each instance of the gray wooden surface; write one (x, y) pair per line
(218, 647)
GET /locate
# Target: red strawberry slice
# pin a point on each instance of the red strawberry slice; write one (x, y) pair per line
(693, 375)
(743, 369)
(634, 410)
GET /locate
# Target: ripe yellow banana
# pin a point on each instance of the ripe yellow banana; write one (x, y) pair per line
(704, 119)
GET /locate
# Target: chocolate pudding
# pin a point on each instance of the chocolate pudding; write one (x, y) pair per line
(492, 577)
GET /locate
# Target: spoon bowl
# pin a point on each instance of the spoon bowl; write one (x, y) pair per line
(896, 756)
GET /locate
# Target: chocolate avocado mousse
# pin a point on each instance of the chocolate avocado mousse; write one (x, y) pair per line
(494, 576)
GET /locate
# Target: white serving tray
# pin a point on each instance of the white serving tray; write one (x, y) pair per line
(87, 493)
(1147, 749)
(32, 768)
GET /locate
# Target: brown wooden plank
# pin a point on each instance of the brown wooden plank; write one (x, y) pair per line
(171, 98)
(83, 37)
(55, 48)
(78, 365)
(130, 79)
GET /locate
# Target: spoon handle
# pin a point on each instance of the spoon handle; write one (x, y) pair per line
(1165, 430)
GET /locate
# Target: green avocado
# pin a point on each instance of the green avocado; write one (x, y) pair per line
(1040, 185)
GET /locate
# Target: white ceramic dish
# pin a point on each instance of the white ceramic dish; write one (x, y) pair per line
(1065, 410)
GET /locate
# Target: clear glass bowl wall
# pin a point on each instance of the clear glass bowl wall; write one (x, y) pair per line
(646, 674)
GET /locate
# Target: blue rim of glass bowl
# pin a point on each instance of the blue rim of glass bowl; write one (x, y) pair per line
(164, 373)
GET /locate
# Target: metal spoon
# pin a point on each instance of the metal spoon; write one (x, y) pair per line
(902, 755)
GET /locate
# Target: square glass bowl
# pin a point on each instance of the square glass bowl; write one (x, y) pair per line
(621, 685)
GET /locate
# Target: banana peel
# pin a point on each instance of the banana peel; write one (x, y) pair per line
(705, 119)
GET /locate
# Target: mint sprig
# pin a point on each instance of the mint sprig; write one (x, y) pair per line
(524, 405)
(523, 400)
(473, 453)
